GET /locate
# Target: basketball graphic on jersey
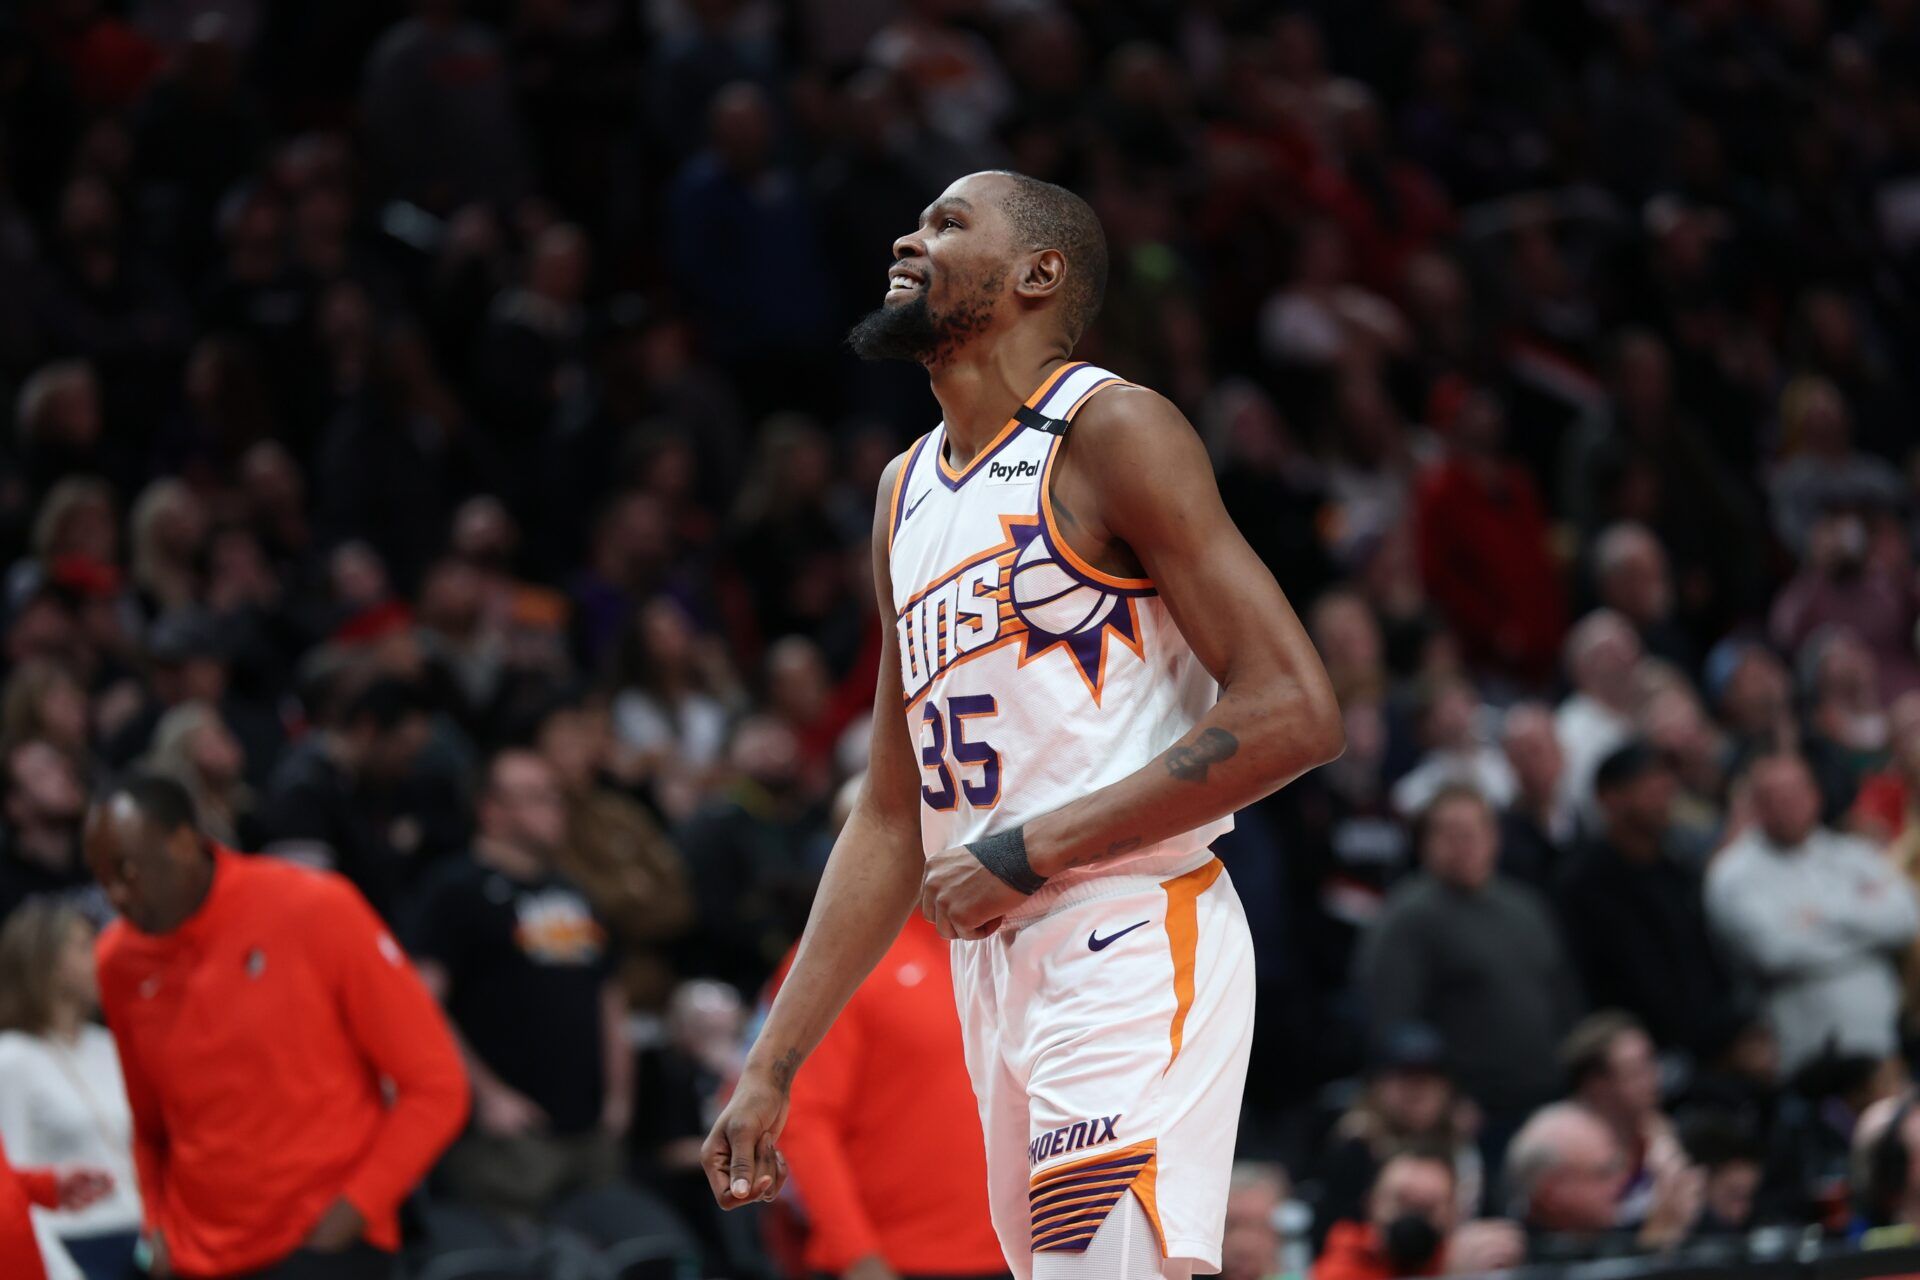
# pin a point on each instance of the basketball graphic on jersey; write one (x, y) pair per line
(1050, 600)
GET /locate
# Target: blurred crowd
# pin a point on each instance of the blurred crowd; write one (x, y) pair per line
(430, 442)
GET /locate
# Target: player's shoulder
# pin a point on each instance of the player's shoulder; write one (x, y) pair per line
(1131, 418)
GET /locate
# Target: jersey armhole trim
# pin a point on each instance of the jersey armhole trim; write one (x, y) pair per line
(1064, 554)
(900, 486)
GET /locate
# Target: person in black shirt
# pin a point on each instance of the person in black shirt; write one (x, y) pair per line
(527, 974)
(363, 797)
(1635, 923)
(40, 840)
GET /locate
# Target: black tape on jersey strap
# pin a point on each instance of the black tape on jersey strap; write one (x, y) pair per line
(1038, 421)
(1005, 854)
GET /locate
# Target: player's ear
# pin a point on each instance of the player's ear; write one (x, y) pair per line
(1042, 274)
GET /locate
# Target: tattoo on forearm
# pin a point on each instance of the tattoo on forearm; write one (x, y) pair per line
(1126, 844)
(1189, 762)
(783, 1069)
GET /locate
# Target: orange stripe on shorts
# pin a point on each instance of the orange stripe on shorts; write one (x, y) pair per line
(1183, 939)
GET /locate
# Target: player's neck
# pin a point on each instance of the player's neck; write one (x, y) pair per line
(978, 392)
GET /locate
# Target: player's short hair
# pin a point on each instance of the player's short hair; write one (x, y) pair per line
(1047, 216)
(161, 800)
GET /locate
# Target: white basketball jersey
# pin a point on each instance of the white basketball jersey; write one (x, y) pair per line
(1031, 677)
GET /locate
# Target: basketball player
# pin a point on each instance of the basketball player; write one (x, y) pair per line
(1088, 671)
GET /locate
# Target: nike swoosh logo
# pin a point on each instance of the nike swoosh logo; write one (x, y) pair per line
(908, 513)
(1097, 943)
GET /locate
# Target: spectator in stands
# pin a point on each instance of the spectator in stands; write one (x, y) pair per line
(1857, 575)
(1813, 918)
(1632, 578)
(1563, 1177)
(1885, 1144)
(891, 1184)
(615, 851)
(1612, 1072)
(1409, 1101)
(676, 691)
(1410, 1228)
(1479, 959)
(44, 701)
(355, 796)
(1484, 550)
(1732, 1159)
(1456, 754)
(290, 1078)
(527, 973)
(1632, 909)
(44, 803)
(1256, 1195)
(440, 112)
(62, 1101)
(1537, 827)
(1603, 654)
(193, 746)
(749, 851)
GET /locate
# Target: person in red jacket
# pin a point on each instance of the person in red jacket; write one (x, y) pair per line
(50, 1189)
(1410, 1228)
(1486, 553)
(888, 1163)
(291, 1079)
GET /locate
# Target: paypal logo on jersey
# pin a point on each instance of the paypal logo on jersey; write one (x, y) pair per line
(1012, 472)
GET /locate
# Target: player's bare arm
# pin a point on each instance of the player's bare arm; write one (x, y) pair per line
(870, 884)
(1135, 495)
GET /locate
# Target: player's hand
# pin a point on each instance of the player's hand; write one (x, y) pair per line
(338, 1229)
(159, 1261)
(963, 899)
(81, 1187)
(738, 1157)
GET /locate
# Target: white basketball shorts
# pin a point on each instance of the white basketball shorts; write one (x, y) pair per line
(1108, 1040)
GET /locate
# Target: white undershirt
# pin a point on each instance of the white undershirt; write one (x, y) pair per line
(65, 1105)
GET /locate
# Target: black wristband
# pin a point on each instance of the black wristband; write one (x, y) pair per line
(1005, 854)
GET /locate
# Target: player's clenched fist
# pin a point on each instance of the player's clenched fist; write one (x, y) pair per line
(962, 897)
(741, 1163)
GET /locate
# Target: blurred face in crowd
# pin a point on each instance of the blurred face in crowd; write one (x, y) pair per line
(215, 754)
(574, 741)
(1413, 1186)
(390, 754)
(797, 683)
(1249, 1253)
(1580, 1191)
(1533, 749)
(1628, 1090)
(740, 126)
(1634, 579)
(1640, 806)
(1460, 845)
(1730, 1190)
(1642, 383)
(1448, 723)
(153, 877)
(1757, 692)
(1347, 635)
(44, 800)
(1412, 1101)
(1603, 653)
(523, 806)
(1786, 803)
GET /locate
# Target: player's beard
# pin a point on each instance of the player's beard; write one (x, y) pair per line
(905, 332)
(913, 331)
